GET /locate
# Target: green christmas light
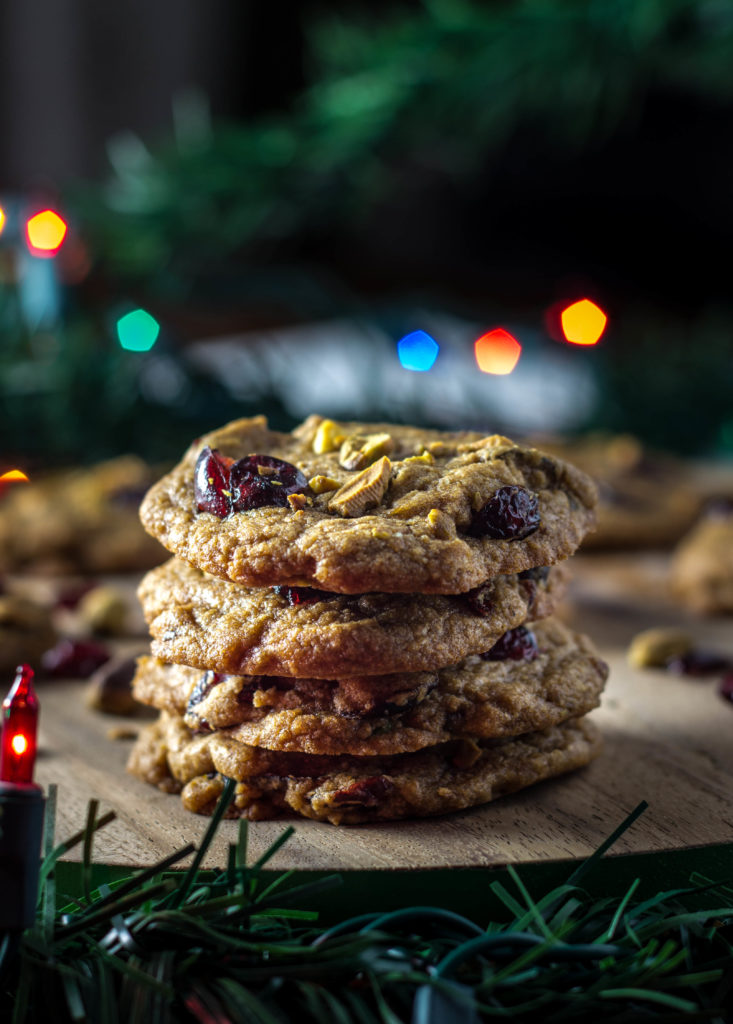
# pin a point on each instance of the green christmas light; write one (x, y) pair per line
(138, 331)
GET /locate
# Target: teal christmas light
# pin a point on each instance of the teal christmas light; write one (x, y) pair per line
(137, 331)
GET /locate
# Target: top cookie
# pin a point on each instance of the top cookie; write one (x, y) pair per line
(367, 507)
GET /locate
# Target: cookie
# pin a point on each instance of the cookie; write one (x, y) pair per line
(345, 791)
(353, 507)
(210, 623)
(217, 700)
(558, 676)
(646, 498)
(702, 565)
(83, 520)
(26, 631)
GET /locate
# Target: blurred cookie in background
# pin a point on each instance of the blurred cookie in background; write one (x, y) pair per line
(648, 499)
(79, 521)
(702, 565)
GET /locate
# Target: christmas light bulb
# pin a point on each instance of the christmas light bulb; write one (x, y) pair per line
(417, 351)
(2, 219)
(583, 322)
(45, 232)
(14, 476)
(20, 723)
(137, 331)
(497, 352)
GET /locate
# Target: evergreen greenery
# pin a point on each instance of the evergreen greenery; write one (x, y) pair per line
(229, 947)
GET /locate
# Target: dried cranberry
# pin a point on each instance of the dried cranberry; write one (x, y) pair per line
(479, 600)
(202, 688)
(512, 513)
(698, 663)
(518, 644)
(211, 483)
(539, 574)
(365, 792)
(725, 688)
(77, 658)
(260, 480)
(302, 595)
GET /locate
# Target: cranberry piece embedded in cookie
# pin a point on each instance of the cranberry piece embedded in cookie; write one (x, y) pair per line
(365, 792)
(211, 483)
(518, 644)
(203, 687)
(74, 658)
(479, 599)
(302, 595)
(261, 480)
(512, 513)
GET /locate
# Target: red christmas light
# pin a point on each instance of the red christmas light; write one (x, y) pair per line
(20, 722)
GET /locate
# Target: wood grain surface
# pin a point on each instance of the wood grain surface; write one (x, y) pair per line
(668, 740)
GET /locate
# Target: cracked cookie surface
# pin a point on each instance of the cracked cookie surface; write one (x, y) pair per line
(387, 508)
(205, 622)
(479, 699)
(343, 790)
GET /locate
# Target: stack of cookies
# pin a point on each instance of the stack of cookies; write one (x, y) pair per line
(357, 623)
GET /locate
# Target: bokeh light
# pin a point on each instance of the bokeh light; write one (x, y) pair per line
(2, 219)
(583, 322)
(497, 352)
(45, 232)
(13, 476)
(417, 351)
(137, 331)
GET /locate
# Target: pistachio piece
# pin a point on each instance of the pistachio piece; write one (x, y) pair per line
(653, 648)
(440, 524)
(328, 437)
(360, 450)
(364, 491)
(425, 456)
(297, 502)
(320, 484)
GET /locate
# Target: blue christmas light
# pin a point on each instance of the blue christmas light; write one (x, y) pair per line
(138, 331)
(417, 351)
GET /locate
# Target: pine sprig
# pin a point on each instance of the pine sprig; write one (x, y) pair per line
(232, 946)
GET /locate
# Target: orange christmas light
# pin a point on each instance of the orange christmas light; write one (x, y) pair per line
(2, 219)
(14, 476)
(497, 352)
(45, 232)
(583, 322)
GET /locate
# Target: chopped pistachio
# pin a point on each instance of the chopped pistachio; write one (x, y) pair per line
(425, 456)
(440, 524)
(329, 437)
(360, 450)
(364, 491)
(653, 648)
(320, 484)
(297, 502)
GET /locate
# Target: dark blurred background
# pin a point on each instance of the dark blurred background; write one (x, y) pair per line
(288, 189)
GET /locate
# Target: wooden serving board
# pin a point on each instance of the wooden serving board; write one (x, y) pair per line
(668, 740)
